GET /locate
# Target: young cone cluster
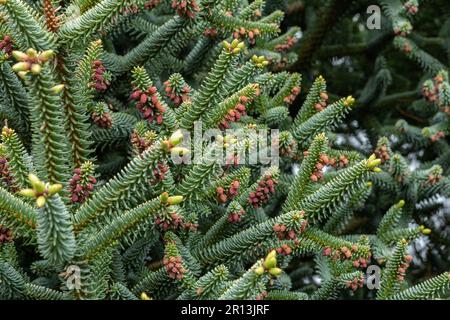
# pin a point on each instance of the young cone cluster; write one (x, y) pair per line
(225, 195)
(82, 183)
(100, 78)
(260, 196)
(40, 191)
(6, 45)
(5, 235)
(149, 105)
(186, 8)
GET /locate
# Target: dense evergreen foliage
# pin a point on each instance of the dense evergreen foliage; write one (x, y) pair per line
(97, 98)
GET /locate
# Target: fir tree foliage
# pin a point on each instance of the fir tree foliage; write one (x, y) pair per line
(96, 98)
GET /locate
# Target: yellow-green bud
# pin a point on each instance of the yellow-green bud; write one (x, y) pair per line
(174, 200)
(424, 230)
(37, 184)
(426, 132)
(22, 74)
(376, 162)
(349, 101)
(27, 193)
(176, 137)
(373, 162)
(259, 271)
(236, 50)
(32, 53)
(7, 132)
(21, 66)
(55, 188)
(47, 54)
(58, 88)
(226, 45)
(144, 296)
(275, 271)
(234, 43)
(40, 201)
(19, 55)
(260, 61)
(270, 262)
(272, 254)
(164, 196)
(400, 204)
(36, 69)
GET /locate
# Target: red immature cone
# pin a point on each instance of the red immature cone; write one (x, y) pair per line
(236, 216)
(285, 250)
(186, 8)
(159, 173)
(266, 186)
(103, 120)
(174, 267)
(290, 41)
(5, 174)
(81, 186)
(5, 235)
(148, 104)
(235, 114)
(99, 82)
(234, 189)
(6, 45)
(327, 251)
(151, 4)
